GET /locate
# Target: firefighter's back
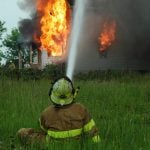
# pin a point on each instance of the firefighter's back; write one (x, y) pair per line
(64, 118)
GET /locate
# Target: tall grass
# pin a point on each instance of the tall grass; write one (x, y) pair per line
(120, 108)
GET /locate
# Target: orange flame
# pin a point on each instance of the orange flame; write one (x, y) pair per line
(55, 25)
(108, 35)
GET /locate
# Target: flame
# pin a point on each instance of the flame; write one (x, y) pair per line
(107, 36)
(55, 25)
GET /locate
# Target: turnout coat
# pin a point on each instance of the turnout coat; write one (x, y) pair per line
(69, 121)
(65, 122)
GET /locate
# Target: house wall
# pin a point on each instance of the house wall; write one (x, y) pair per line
(131, 48)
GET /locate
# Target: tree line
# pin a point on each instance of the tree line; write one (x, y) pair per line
(10, 44)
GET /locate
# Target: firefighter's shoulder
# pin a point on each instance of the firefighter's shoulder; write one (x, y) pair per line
(47, 110)
(79, 106)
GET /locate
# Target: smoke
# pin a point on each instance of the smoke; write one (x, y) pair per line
(134, 19)
(131, 50)
(29, 27)
(133, 27)
(27, 5)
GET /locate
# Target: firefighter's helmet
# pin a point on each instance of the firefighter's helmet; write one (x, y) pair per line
(62, 92)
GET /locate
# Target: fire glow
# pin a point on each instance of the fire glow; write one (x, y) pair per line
(107, 35)
(55, 26)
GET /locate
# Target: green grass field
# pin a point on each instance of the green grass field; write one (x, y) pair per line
(120, 108)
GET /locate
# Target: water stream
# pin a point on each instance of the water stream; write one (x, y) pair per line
(79, 13)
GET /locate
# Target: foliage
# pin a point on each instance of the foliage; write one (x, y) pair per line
(54, 71)
(1, 55)
(13, 44)
(49, 72)
(2, 29)
(107, 75)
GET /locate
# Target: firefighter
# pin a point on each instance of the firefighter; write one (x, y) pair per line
(64, 119)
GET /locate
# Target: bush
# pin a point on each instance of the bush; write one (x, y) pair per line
(54, 71)
(49, 72)
(106, 75)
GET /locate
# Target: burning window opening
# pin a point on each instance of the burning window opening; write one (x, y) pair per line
(107, 35)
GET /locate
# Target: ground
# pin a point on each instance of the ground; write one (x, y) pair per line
(119, 106)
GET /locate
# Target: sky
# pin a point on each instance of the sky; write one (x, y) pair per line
(11, 13)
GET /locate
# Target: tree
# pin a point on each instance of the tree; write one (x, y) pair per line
(14, 45)
(2, 30)
(1, 55)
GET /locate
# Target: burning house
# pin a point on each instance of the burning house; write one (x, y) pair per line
(115, 34)
(47, 31)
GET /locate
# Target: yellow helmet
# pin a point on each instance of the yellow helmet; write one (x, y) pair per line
(62, 92)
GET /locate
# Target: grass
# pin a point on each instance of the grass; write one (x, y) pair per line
(120, 108)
